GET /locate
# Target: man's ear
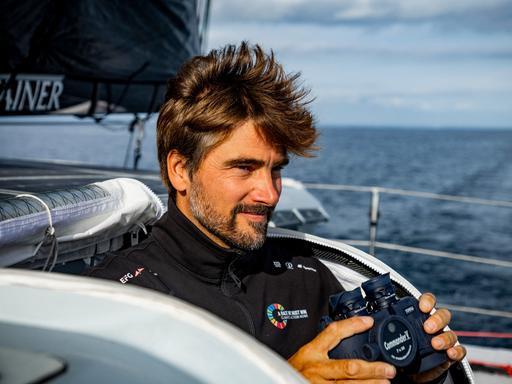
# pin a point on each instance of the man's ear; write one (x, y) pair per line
(177, 171)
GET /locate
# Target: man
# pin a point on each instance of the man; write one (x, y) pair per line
(230, 121)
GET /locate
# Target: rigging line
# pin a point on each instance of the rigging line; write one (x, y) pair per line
(431, 252)
(94, 100)
(404, 192)
(131, 129)
(51, 229)
(129, 80)
(11, 191)
(204, 20)
(338, 187)
(476, 310)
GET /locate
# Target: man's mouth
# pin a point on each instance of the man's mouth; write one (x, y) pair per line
(258, 212)
(255, 216)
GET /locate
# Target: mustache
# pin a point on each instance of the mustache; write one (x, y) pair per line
(257, 209)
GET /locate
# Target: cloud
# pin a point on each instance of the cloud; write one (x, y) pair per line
(412, 109)
(420, 101)
(409, 42)
(433, 104)
(488, 15)
(383, 60)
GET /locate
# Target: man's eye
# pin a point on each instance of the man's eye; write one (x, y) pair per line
(245, 168)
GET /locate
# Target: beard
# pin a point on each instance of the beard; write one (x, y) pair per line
(225, 227)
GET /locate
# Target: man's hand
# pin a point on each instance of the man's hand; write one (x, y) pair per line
(313, 362)
(444, 341)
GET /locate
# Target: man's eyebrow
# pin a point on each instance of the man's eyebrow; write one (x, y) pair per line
(243, 161)
(247, 161)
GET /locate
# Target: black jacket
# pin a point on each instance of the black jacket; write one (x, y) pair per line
(277, 294)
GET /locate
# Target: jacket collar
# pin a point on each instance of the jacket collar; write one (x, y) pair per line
(186, 245)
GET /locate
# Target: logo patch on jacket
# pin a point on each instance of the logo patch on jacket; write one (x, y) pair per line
(279, 316)
(290, 266)
(130, 276)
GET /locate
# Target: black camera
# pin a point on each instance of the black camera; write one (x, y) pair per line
(397, 336)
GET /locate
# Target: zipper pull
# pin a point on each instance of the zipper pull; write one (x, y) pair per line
(235, 278)
(232, 274)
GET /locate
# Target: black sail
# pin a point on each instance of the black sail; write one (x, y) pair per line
(91, 56)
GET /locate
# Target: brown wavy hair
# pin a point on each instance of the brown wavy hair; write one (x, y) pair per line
(214, 94)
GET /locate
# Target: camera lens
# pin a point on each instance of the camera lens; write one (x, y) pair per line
(347, 304)
(380, 292)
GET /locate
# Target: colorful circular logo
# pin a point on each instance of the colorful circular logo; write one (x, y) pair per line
(274, 317)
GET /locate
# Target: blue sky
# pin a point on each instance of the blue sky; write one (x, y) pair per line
(433, 63)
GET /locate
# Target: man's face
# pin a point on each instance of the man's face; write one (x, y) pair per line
(232, 195)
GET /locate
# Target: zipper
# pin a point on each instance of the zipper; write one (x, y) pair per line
(229, 272)
(245, 311)
(282, 233)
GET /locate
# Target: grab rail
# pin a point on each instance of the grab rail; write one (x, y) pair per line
(397, 191)
(372, 243)
(374, 219)
(430, 252)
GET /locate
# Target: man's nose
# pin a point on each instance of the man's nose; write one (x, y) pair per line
(267, 189)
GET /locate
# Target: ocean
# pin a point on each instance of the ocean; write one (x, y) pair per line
(464, 162)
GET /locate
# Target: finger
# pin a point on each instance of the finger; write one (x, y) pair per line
(354, 369)
(427, 302)
(320, 380)
(456, 353)
(437, 321)
(445, 340)
(339, 330)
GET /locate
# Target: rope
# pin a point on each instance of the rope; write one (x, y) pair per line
(49, 235)
(505, 367)
(497, 335)
(45, 206)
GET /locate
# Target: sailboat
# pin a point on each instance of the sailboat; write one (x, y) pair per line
(96, 60)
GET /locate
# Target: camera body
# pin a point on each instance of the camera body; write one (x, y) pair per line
(397, 336)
